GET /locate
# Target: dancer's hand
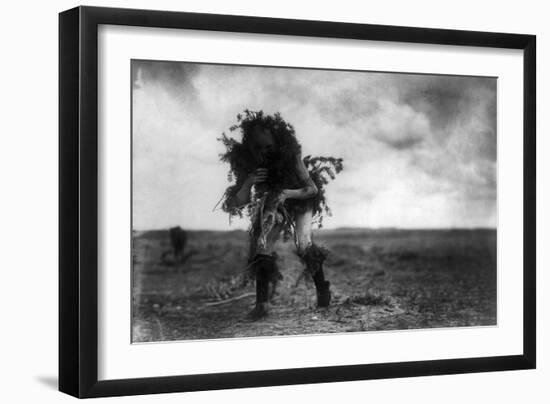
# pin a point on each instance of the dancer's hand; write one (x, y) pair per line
(258, 176)
(243, 195)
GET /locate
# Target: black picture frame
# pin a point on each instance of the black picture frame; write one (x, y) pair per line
(78, 200)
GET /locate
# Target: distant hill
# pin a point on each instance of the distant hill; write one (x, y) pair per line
(341, 231)
(200, 234)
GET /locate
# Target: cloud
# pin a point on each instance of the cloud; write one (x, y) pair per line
(404, 143)
(418, 150)
(175, 78)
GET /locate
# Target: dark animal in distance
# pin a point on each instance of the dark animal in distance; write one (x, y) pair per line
(178, 242)
(178, 239)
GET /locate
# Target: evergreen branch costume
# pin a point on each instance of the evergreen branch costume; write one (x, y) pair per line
(264, 209)
(281, 170)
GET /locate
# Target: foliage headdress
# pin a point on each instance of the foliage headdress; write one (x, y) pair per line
(280, 168)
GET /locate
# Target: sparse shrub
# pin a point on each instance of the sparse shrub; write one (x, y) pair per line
(223, 288)
(372, 298)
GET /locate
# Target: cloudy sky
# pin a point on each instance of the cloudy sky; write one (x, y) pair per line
(419, 150)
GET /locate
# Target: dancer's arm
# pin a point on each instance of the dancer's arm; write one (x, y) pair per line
(242, 196)
(308, 190)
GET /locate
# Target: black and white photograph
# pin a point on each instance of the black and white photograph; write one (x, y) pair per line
(278, 201)
(275, 202)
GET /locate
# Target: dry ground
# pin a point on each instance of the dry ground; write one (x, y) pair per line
(381, 280)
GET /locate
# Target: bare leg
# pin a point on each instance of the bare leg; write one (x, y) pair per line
(303, 230)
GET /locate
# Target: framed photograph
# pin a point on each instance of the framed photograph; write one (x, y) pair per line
(249, 201)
